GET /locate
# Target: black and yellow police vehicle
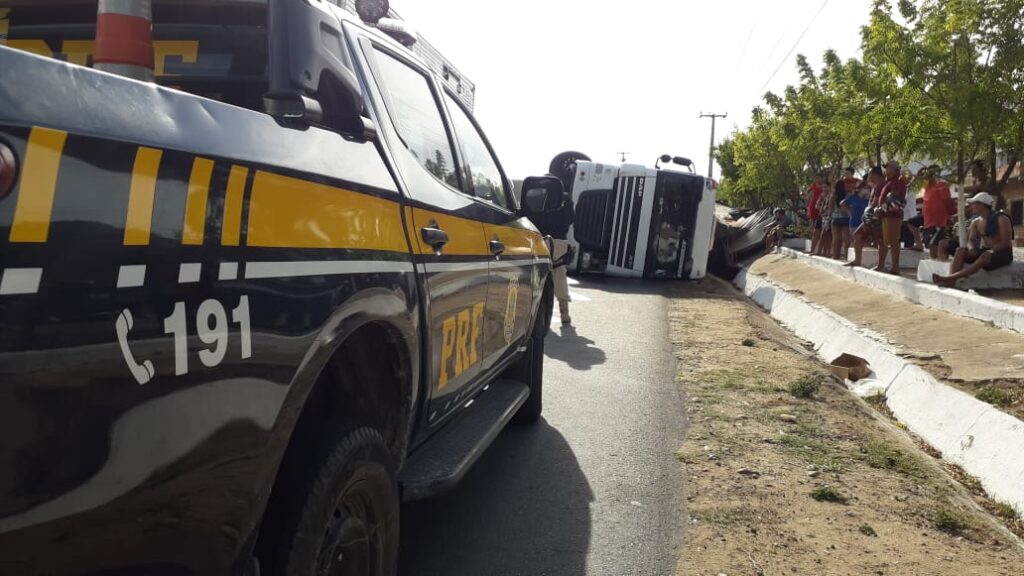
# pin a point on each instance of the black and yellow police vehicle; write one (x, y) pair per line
(248, 308)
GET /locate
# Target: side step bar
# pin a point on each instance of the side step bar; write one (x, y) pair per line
(441, 463)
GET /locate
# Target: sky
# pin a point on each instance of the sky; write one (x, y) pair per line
(557, 75)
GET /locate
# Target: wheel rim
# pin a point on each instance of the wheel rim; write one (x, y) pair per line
(353, 543)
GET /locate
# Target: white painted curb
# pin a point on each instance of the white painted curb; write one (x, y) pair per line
(950, 300)
(987, 443)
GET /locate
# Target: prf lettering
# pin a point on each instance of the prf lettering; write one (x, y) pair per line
(459, 343)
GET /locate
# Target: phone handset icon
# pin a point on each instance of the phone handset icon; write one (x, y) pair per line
(144, 372)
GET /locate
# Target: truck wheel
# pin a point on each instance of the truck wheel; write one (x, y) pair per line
(344, 521)
(530, 369)
(563, 165)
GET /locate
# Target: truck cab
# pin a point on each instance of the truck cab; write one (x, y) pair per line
(248, 308)
(633, 221)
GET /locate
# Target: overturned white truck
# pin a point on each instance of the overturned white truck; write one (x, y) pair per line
(637, 222)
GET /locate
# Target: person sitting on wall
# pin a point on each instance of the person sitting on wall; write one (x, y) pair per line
(996, 251)
(776, 231)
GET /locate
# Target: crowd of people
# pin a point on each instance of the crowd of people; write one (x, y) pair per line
(876, 210)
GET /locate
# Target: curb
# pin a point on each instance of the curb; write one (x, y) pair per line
(949, 300)
(986, 442)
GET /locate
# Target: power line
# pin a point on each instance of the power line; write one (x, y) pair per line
(746, 43)
(795, 44)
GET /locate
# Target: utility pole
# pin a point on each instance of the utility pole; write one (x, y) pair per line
(623, 154)
(711, 150)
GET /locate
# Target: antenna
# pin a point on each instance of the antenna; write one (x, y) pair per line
(624, 154)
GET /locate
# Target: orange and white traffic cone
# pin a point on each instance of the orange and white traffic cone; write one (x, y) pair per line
(124, 38)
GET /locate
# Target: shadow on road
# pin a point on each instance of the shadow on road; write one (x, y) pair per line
(567, 345)
(524, 508)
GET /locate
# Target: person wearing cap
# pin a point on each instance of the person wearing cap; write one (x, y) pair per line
(813, 210)
(890, 212)
(937, 210)
(996, 250)
(869, 229)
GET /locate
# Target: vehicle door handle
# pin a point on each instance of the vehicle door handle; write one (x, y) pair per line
(434, 237)
(497, 247)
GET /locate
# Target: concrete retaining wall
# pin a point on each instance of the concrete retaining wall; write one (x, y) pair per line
(986, 442)
(950, 300)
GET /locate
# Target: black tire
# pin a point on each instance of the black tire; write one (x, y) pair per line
(341, 515)
(530, 368)
(563, 167)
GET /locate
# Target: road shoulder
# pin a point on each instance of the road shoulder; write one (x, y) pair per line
(778, 484)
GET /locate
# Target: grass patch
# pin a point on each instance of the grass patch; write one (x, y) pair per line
(868, 531)
(749, 342)
(1005, 511)
(949, 521)
(828, 494)
(819, 454)
(724, 379)
(880, 455)
(996, 396)
(806, 386)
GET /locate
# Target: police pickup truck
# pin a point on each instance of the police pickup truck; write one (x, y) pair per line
(249, 308)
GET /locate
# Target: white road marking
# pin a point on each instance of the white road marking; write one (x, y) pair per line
(21, 281)
(577, 297)
(131, 276)
(259, 270)
(228, 271)
(189, 273)
(573, 282)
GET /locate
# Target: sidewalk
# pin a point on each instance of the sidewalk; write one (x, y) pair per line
(960, 351)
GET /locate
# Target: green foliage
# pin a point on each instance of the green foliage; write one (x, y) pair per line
(828, 494)
(996, 396)
(1006, 511)
(749, 342)
(949, 521)
(806, 386)
(878, 454)
(937, 79)
(868, 531)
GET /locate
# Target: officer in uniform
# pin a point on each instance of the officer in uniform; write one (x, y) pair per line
(556, 224)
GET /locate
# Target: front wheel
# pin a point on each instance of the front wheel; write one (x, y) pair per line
(344, 519)
(530, 368)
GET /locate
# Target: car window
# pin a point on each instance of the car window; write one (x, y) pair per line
(417, 118)
(479, 167)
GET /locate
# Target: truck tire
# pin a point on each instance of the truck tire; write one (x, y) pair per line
(563, 166)
(344, 518)
(530, 368)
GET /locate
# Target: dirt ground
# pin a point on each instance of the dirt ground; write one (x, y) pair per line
(822, 485)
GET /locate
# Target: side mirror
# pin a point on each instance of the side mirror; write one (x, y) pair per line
(311, 73)
(541, 194)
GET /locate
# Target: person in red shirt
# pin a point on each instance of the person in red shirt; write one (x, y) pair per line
(938, 207)
(813, 213)
(890, 212)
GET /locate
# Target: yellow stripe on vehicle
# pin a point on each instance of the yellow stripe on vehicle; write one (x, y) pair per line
(465, 237)
(141, 196)
(231, 232)
(195, 207)
(38, 185)
(287, 212)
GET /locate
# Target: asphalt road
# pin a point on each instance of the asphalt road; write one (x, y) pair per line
(592, 489)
